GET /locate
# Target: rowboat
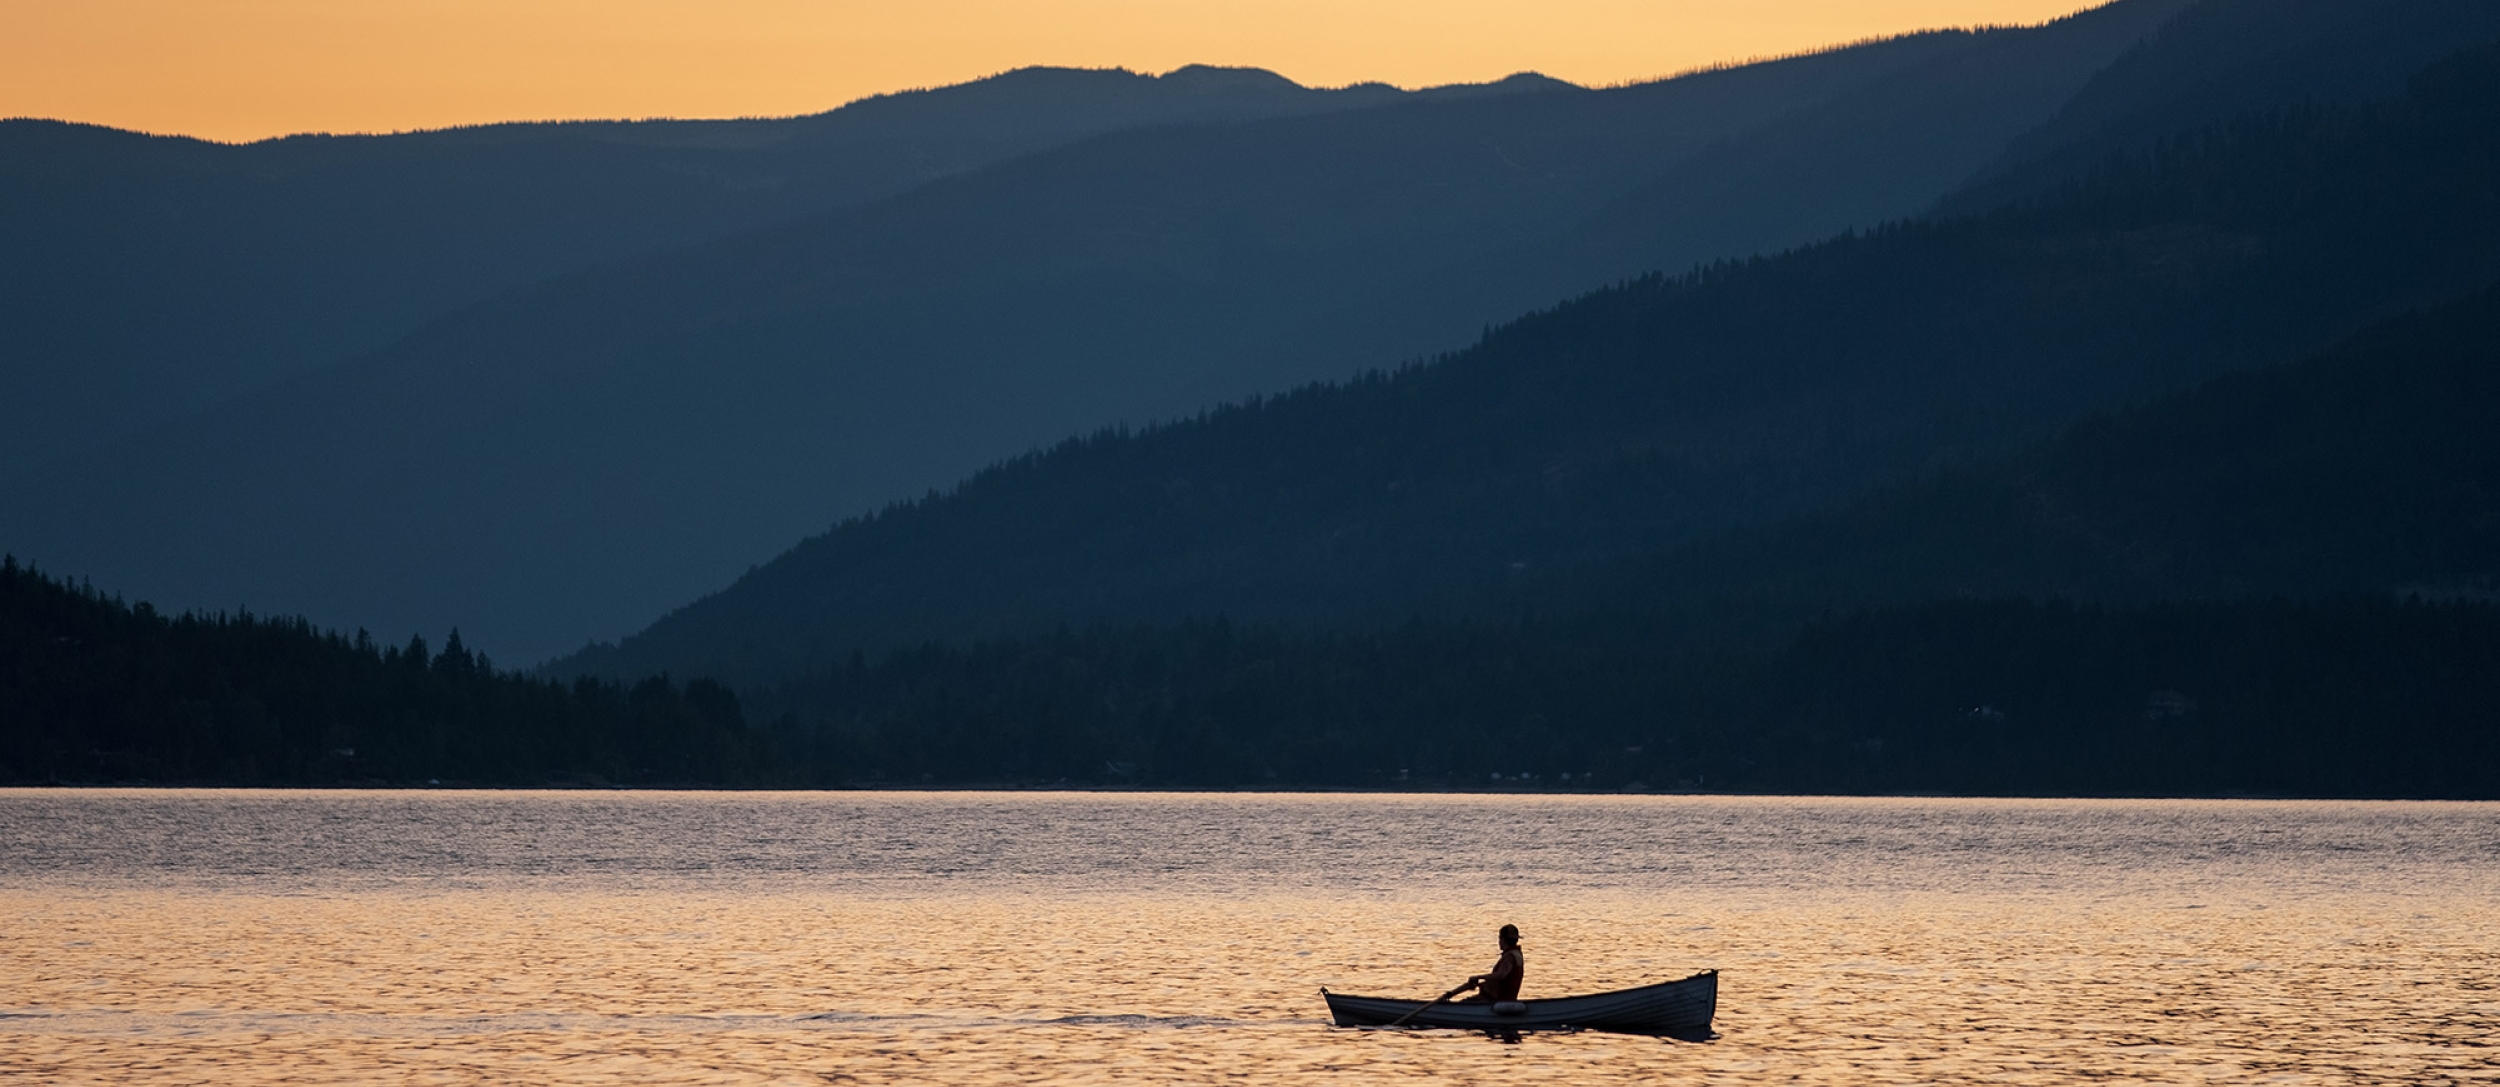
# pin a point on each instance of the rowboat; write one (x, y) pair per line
(1675, 1009)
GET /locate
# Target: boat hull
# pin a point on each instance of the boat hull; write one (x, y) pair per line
(1674, 1009)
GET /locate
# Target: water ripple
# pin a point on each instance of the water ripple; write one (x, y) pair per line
(342, 938)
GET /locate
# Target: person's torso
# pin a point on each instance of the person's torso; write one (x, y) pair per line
(1510, 972)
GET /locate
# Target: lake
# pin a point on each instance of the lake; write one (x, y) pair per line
(248, 937)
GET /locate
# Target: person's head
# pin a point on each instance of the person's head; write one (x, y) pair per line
(1510, 937)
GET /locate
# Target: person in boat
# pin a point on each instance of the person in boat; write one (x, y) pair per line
(1502, 982)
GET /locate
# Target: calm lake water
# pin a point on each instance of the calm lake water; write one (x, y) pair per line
(241, 937)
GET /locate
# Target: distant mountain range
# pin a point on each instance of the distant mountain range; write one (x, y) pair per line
(1665, 413)
(147, 277)
(2281, 582)
(572, 458)
(2101, 407)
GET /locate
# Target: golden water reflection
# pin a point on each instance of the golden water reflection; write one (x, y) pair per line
(1926, 978)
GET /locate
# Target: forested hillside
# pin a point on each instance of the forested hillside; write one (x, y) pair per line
(2223, 58)
(2348, 698)
(2371, 470)
(94, 690)
(2173, 475)
(572, 460)
(1668, 410)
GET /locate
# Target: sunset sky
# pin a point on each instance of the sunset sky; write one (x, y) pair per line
(246, 69)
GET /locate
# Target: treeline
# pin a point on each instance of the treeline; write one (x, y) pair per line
(95, 690)
(2360, 698)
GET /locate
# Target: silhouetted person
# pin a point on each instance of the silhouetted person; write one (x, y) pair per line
(1502, 982)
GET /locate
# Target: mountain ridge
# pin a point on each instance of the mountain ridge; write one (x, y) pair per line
(148, 276)
(2220, 251)
(2220, 58)
(582, 455)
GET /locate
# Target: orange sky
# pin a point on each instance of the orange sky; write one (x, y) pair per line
(244, 69)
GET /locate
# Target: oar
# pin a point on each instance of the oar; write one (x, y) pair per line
(1438, 1000)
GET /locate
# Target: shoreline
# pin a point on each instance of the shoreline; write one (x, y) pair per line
(1278, 791)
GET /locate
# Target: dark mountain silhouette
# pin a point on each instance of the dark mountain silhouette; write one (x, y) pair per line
(2363, 479)
(1668, 410)
(143, 276)
(1585, 553)
(1806, 177)
(2257, 554)
(2224, 58)
(573, 458)
(2368, 471)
